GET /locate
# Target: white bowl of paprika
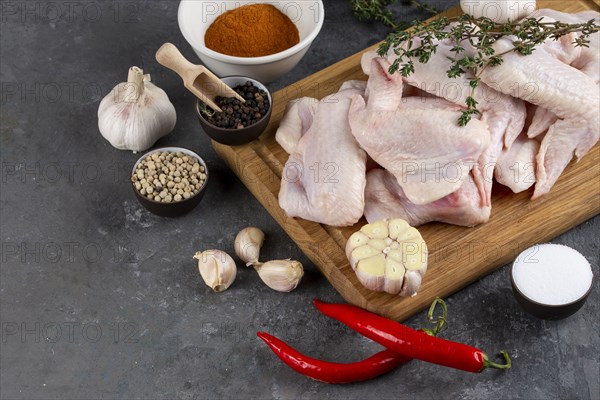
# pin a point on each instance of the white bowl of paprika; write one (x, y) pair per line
(263, 40)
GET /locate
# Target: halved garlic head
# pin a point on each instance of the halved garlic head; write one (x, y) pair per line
(388, 256)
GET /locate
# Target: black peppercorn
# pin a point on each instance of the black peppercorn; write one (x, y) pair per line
(238, 115)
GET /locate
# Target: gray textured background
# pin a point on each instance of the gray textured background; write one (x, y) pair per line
(100, 299)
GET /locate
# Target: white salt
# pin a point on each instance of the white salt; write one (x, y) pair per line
(552, 274)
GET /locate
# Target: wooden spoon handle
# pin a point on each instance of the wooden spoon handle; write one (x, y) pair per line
(169, 56)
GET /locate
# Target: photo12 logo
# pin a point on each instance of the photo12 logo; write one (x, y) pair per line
(69, 252)
(50, 92)
(69, 332)
(294, 10)
(53, 172)
(499, 10)
(54, 12)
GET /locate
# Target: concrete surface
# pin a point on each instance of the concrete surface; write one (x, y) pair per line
(100, 299)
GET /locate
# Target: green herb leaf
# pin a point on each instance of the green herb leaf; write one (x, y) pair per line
(407, 69)
(471, 102)
(479, 33)
(464, 118)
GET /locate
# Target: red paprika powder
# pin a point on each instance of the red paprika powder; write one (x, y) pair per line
(252, 31)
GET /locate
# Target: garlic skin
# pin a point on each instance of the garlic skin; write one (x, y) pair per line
(280, 275)
(248, 243)
(388, 256)
(500, 11)
(136, 113)
(217, 269)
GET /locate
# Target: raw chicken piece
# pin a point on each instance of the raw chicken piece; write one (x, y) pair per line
(504, 115)
(516, 166)
(324, 177)
(358, 86)
(483, 173)
(298, 116)
(427, 152)
(542, 120)
(564, 138)
(384, 198)
(297, 119)
(588, 59)
(502, 111)
(559, 88)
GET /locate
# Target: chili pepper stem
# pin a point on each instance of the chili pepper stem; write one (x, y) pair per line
(490, 364)
(441, 323)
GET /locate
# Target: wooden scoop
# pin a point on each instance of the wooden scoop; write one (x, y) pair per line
(196, 78)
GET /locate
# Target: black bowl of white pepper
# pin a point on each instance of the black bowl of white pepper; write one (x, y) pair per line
(238, 122)
(169, 181)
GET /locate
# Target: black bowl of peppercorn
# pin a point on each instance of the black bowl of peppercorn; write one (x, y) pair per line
(238, 123)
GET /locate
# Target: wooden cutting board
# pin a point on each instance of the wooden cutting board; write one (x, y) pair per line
(457, 255)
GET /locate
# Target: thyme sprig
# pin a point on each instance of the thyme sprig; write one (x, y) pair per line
(479, 34)
(377, 10)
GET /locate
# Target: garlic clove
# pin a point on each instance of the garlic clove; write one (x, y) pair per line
(376, 230)
(356, 240)
(396, 254)
(280, 275)
(375, 283)
(378, 244)
(248, 243)
(395, 263)
(217, 269)
(411, 234)
(394, 276)
(363, 252)
(414, 256)
(397, 227)
(374, 265)
(412, 283)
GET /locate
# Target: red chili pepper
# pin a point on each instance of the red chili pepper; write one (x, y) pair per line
(330, 372)
(411, 343)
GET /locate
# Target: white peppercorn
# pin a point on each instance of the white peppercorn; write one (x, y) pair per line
(168, 177)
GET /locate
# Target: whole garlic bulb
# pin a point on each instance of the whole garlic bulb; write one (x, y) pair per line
(388, 256)
(248, 243)
(217, 269)
(500, 11)
(280, 275)
(136, 113)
